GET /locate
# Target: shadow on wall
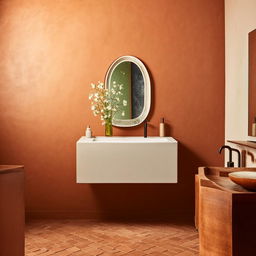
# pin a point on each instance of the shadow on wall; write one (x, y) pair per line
(151, 201)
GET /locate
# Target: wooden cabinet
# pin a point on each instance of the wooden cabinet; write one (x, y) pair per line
(225, 214)
(12, 216)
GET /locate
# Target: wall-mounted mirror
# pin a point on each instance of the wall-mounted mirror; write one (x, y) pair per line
(252, 85)
(131, 73)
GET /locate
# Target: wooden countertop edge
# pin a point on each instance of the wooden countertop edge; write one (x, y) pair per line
(207, 182)
(248, 144)
(11, 168)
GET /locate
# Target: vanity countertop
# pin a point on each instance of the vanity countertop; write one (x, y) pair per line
(249, 144)
(127, 139)
(217, 177)
(10, 168)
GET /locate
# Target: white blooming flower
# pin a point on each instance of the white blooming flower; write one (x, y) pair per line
(100, 85)
(106, 102)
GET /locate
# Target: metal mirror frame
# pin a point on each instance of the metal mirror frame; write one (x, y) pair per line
(147, 91)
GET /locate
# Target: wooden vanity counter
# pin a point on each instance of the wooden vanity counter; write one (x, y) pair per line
(12, 216)
(225, 214)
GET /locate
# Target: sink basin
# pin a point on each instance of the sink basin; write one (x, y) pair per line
(129, 139)
(244, 179)
(127, 160)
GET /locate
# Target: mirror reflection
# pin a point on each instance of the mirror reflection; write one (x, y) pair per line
(129, 76)
(252, 84)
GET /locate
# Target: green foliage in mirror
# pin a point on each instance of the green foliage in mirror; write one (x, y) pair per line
(122, 76)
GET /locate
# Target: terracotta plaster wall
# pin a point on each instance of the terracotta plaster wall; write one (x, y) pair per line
(51, 50)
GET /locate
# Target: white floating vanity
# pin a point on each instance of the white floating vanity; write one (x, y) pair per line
(126, 160)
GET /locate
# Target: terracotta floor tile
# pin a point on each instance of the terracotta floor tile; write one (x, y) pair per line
(91, 238)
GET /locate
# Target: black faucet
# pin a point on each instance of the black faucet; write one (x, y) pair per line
(239, 156)
(145, 129)
(229, 163)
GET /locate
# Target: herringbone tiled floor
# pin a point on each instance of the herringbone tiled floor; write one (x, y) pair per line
(89, 238)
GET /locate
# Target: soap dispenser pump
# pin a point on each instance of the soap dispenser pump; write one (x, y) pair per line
(254, 128)
(162, 128)
(88, 133)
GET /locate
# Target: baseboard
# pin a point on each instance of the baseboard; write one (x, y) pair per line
(187, 216)
(60, 215)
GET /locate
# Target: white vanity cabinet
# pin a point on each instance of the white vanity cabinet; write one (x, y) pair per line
(126, 160)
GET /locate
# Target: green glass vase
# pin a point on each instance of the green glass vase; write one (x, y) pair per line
(108, 128)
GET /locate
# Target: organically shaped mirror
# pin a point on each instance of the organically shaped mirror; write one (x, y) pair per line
(252, 84)
(132, 74)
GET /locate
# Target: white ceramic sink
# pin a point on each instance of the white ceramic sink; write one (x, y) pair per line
(127, 160)
(129, 139)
